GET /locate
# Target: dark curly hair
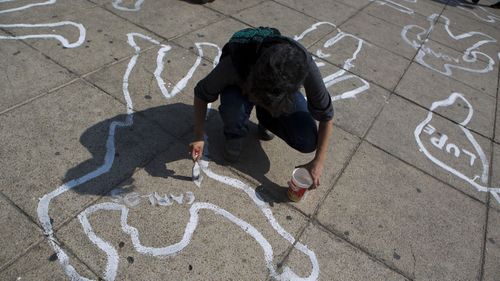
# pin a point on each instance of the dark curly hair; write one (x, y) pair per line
(278, 73)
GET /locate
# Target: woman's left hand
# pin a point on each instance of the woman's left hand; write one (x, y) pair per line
(316, 170)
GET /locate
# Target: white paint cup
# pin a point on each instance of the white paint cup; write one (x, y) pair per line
(300, 182)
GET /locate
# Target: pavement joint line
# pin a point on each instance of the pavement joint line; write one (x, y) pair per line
(358, 10)
(361, 248)
(474, 18)
(483, 246)
(39, 96)
(444, 117)
(112, 11)
(430, 39)
(23, 253)
(84, 76)
(290, 248)
(113, 63)
(428, 174)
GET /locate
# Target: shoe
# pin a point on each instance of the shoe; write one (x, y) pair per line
(264, 134)
(495, 6)
(232, 149)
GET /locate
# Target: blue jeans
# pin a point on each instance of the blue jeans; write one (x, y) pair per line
(297, 128)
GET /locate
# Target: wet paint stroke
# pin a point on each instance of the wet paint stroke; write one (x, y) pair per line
(470, 55)
(441, 141)
(342, 74)
(33, 27)
(112, 264)
(117, 4)
(397, 5)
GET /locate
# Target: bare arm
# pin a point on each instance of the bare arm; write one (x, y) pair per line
(315, 167)
(200, 111)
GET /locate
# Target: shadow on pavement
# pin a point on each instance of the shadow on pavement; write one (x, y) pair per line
(141, 144)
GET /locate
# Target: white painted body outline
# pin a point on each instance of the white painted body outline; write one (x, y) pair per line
(340, 75)
(48, 2)
(64, 41)
(60, 38)
(470, 54)
(462, 125)
(489, 17)
(397, 6)
(137, 6)
(112, 265)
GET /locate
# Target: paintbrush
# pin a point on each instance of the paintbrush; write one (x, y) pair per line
(197, 174)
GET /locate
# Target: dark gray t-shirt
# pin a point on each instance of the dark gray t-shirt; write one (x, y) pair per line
(231, 72)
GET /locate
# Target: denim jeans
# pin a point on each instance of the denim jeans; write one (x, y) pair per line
(297, 128)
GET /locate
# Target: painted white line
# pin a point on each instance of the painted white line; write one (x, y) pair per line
(400, 7)
(470, 55)
(478, 11)
(342, 74)
(478, 150)
(48, 2)
(137, 6)
(112, 265)
(60, 38)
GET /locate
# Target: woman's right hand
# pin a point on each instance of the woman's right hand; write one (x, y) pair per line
(196, 150)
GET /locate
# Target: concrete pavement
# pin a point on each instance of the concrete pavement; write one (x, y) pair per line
(96, 117)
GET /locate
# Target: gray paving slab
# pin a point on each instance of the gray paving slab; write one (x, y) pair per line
(396, 131)
(41, 263)
(222, 247)
(371, 62)
(467, 24)
(396, 16)
(21, 64)
(478, 74)
(358, 4)
(218, 33)
(421, 7)
(353, 113)
(424, 87)
(492, 250)
(378, 32)
(18, 232)
(270, 164)
(337, 259)
(495, 175)
(481, 13)
(230, 7)
(167, 100)
(162, 16)
(330, 11)
(462, 41)
(497, 127)
(290, 22)
(406, 218)
(105, 41)
(16, 12)
(67, 131)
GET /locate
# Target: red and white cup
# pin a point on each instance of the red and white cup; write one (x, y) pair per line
(301, 181)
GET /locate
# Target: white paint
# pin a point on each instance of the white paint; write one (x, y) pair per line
(342, 74)
(48, 2)
(400, 7)
(137, 6)
(133, 199)
(478, 11)
(470, 55)
(484, 162)
(60, 38)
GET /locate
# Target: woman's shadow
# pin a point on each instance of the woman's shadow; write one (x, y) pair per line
(116, 155)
